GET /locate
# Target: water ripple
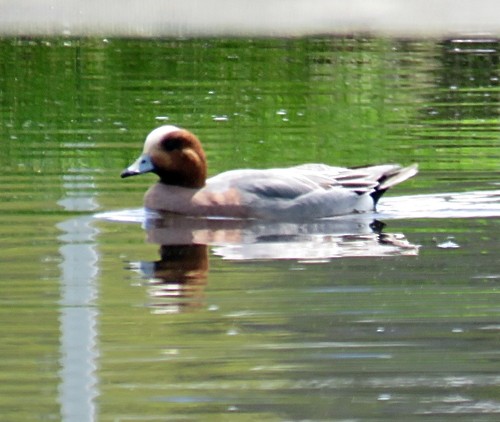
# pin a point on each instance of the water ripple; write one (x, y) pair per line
(475, 204)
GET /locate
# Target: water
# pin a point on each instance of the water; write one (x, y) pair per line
(109, 315)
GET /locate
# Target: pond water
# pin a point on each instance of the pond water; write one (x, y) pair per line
(108, 313)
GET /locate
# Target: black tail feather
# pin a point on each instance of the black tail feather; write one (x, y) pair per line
(393, 178)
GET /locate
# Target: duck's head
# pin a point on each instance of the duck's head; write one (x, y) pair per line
(175, 155)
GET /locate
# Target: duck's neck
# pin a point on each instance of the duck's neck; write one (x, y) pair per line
(187, 179)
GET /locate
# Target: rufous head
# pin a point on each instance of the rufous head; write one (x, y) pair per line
(175, 155)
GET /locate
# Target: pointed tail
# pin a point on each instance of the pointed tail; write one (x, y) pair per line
(392, 178)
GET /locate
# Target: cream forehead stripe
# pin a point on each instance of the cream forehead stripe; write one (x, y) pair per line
(155, 136)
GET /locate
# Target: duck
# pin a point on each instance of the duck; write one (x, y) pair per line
(298, 193)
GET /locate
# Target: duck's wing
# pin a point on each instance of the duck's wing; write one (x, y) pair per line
(359, 179)
(272, 183)
(293, 182)
(290, 183)
(308, 191)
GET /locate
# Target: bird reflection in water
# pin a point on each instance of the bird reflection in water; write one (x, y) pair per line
(177, 281)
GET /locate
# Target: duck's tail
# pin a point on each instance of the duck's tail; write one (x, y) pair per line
(391, 178)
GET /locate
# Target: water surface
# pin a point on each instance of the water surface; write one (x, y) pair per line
(387, 316)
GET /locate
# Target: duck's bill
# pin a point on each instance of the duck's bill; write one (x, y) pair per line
(142, 165)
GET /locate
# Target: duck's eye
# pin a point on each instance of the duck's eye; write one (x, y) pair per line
(172, 144)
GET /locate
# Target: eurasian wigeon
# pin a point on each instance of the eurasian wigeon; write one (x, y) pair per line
(303, 192)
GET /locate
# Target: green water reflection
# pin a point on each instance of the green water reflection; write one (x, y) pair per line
(85, 337)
